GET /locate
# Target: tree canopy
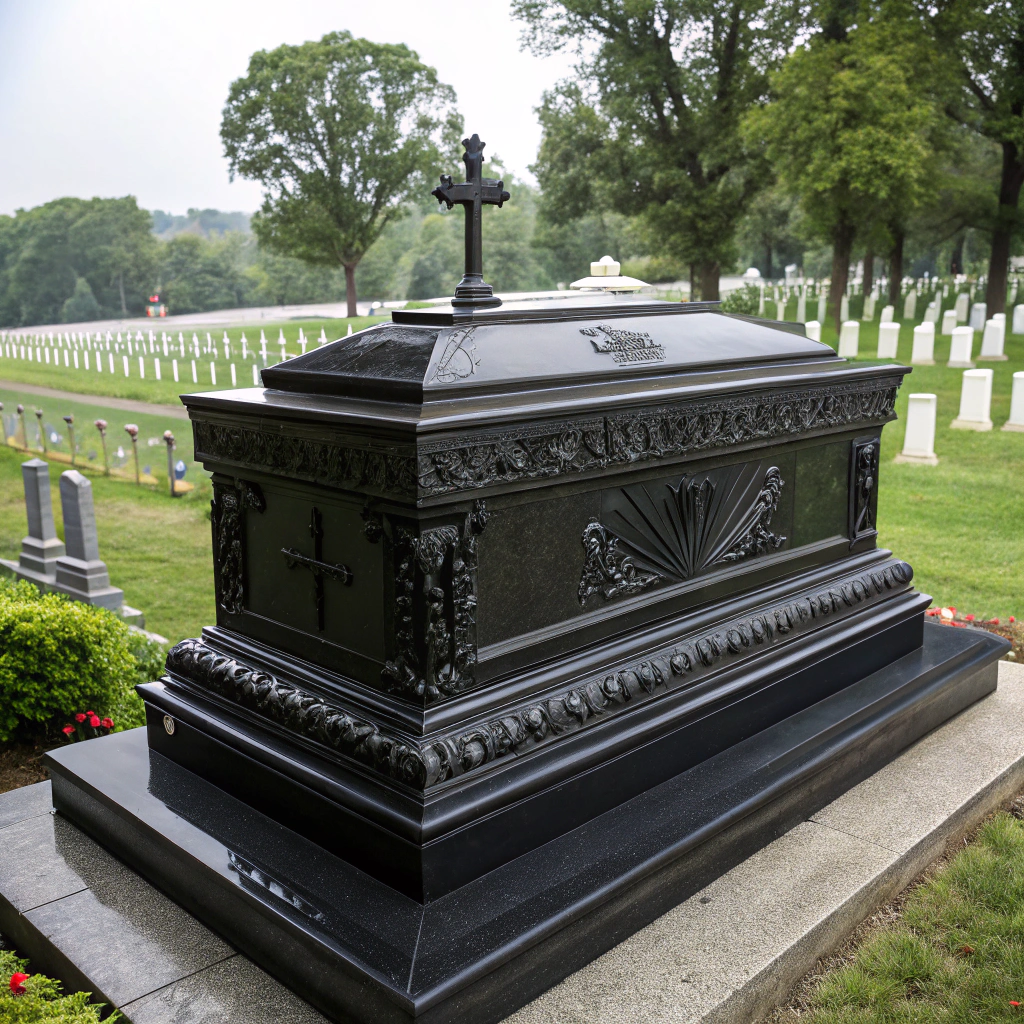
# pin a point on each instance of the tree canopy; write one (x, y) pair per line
(653, 123)
(341, 133)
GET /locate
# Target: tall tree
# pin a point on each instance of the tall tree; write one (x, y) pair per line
(849, 133)
(653, 124)
(985, 41)
(340, 133)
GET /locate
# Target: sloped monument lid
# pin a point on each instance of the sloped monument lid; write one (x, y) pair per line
(479, 346)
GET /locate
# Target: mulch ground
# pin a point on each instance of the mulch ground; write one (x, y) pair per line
(21, 764)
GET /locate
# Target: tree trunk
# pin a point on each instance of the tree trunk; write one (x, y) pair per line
(896, 270)
(869, 271)
(693, 284)
(709, 282)
(350, 288)
(120, 285)
(842, 249)
(956, 261)
(768, 260)
(1009, 199)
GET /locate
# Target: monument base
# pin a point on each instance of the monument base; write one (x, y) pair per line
(1016, 427)
(919, 460)
(979, 425)
(360, 950)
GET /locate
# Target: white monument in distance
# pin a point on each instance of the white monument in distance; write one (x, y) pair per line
(919, 439)
(975, 401)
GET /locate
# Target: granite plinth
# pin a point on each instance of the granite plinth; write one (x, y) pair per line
(359, 949)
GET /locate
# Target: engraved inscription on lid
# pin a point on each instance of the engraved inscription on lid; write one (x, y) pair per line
(625, 346)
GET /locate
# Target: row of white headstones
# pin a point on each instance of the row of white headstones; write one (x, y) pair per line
(86, 352)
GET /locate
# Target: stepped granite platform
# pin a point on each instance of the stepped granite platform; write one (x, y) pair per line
(728, 953)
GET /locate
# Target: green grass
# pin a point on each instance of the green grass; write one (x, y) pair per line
(956, 955)
(157, 548)
(166, 391)
(959, 524)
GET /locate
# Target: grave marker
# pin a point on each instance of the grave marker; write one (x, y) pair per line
(923, 351)
(961, 307)
(919, 439)
(1016, 420)
(1018, 319)
(849, 335)
(80, 572)
(961, 349)
(888, 340)
(910, 306)
(975, 401)
(993, 340)
(978, 315)
(41, 548)
(887, 314)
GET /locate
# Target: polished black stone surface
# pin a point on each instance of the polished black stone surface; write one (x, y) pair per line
(355, 946)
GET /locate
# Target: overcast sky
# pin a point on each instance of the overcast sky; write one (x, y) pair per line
(124, 97)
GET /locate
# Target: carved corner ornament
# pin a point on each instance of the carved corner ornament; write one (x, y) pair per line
(435, 600)
(675, 532)
(864, 464)
(230, 503)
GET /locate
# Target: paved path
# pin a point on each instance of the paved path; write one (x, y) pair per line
(178, 412)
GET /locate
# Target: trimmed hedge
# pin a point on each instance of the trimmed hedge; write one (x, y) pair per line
(42, 1002)
(58, 657)
(745, 300)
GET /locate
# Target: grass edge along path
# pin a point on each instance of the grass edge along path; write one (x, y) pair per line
(948, 949)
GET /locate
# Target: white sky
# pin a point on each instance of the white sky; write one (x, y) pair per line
(124, 97)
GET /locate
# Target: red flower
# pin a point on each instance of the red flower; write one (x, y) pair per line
(1012, 619)
(79, 717)
(91, 714)
(108, 723)
(1013, 1002)
(68, 730)
(18, 983)
(94, 722)
(969, 618)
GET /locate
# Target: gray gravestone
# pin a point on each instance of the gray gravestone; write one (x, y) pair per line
(80, 573)
(41, 548)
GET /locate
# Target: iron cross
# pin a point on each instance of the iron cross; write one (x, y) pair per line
(474, 194)
(316, 565)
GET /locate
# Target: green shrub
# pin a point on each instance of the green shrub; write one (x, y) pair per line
(59, 656)
(746, 300)
(42, 1002)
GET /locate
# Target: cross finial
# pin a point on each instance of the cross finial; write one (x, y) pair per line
(474, 193)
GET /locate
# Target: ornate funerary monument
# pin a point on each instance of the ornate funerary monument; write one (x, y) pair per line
(531, 620)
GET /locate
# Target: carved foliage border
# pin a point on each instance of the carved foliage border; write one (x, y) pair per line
(553, 449)
(630, 437)
(423, 765)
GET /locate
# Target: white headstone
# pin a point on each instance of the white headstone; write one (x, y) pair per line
(844, 309)
(887, 314)
(961, 349)
(801, 311)
(979, 312)
(869, 308)
(760, 303)
(963, 301)
(931, 314)
(975, 401)
(992, 340)
(910, 306)
(919, 439)
(813, 329)
(1018, 320)
(848, 338)
(949, 321)
(888, 340)
(822, 300)
(1016, 420)
(780, 309)
(923, 350)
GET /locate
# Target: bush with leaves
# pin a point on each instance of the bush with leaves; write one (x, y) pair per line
(746, 300)
(59, 656)
(36, 999)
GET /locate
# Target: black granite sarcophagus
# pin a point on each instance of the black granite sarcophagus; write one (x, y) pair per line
(531, 619)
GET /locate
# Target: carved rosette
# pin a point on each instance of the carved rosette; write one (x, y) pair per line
(227, 517)
(435, 600)
(425, 764)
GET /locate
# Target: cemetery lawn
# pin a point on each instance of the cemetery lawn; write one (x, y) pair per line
(954, 953)
(157, 548)
(166, 391)
(960, 524)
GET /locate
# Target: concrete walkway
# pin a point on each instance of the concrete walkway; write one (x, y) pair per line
(178, 412)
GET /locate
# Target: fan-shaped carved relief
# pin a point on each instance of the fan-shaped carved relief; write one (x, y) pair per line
(673, 532)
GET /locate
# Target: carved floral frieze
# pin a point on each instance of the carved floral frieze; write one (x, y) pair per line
(428, 763)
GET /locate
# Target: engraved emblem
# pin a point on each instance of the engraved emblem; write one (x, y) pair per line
(624, 346)
(458, 361)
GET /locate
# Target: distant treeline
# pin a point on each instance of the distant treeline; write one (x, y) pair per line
(72, 259)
